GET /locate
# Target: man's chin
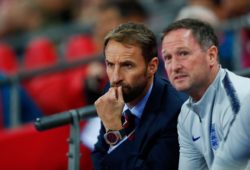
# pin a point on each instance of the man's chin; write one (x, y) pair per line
(180, 88)
(127, 99)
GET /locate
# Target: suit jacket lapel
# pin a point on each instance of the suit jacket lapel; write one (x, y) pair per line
(149, 114)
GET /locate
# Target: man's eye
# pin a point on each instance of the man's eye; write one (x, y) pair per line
(127, 65)
(109, 64)
(183, 53)
(167, 58)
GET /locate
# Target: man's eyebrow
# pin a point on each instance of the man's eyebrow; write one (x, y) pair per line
(106, 60)
(127, 60)
(164, 52)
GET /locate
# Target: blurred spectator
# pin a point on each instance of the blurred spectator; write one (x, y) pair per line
(21, 16)
(215, 6)
(199, 12)
(113, 13)
(88, 11)
(56, 11)
(235, 8)
(18, 16)
(224, 9)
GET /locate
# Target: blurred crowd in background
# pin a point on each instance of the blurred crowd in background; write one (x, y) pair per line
(46, 34)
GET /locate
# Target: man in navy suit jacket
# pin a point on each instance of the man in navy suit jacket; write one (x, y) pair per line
(131, 63)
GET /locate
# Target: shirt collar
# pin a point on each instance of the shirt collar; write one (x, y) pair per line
(139, 107)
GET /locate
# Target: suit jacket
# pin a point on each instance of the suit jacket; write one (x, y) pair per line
(155, 145)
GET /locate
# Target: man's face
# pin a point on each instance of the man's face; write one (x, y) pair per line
(126, 67)
(188, 66)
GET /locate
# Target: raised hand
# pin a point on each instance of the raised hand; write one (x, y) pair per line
(109, 108)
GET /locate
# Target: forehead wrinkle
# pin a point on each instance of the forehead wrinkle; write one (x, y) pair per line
(120, 56)
(179, 39)
(114, 52)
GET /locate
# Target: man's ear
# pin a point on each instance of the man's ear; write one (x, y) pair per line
(153, 65)
(213, 55)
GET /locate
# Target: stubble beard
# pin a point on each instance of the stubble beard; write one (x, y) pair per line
(131, 93)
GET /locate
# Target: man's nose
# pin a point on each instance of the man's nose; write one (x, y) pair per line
(176, 65)
(116, 76)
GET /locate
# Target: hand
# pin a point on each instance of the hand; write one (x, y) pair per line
(109, 108)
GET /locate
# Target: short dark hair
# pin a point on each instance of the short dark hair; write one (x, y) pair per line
(202, 32)
(134, 34)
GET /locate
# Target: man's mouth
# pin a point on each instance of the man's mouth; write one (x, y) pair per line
(180, 77)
